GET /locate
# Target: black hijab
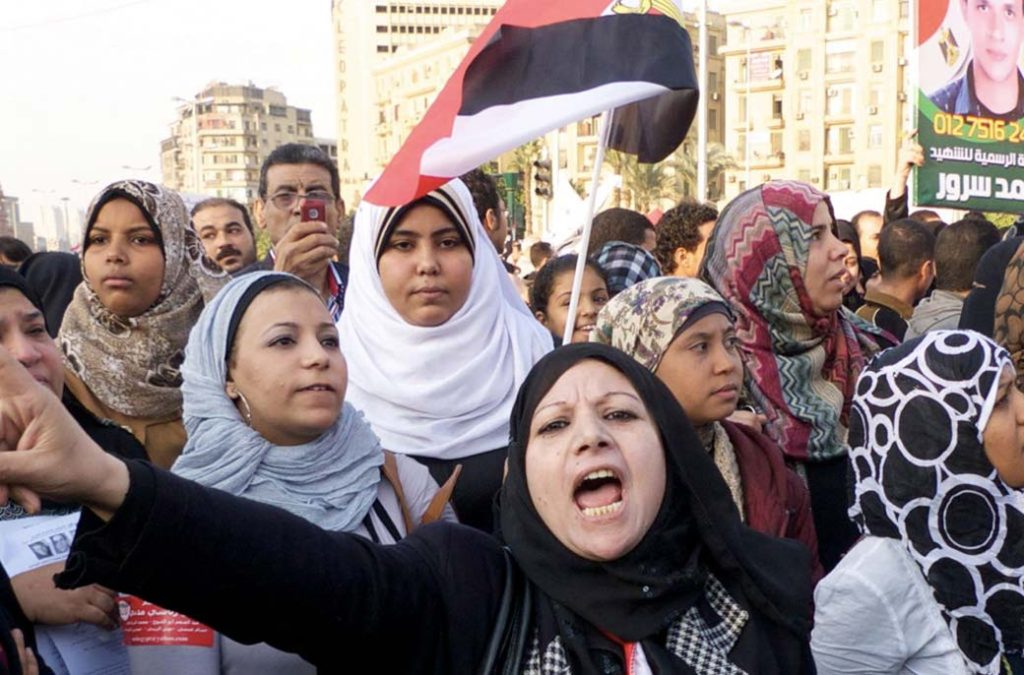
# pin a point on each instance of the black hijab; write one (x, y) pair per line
(697, 530)
(11, 279)
(979, 310)
(53, 276)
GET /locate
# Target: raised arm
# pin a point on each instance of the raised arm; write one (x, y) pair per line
(251, 571)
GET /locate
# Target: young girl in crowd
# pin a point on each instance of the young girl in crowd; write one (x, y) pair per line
(626, 551)
(935, 585)
(437, 341)
(774, 257)
(552, 290)
(853, 282)
(124, 333)
(265, 411)
(682, 331)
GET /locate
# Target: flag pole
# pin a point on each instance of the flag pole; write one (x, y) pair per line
(581, 261)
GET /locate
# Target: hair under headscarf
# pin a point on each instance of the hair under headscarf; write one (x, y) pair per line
(331, 481)
(440, 391)
(920, 475)
(800, 368)
(132, 365)
(697, 530)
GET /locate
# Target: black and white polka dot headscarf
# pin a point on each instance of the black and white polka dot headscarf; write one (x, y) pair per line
(920, 475)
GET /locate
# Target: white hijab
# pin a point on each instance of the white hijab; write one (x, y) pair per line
(445, 391)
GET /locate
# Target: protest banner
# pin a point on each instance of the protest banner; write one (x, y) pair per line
(970, 104)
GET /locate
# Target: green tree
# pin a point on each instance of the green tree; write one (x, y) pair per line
(648, 183)
(521, 161)
(683, 163)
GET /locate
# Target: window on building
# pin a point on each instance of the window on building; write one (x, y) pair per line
(875, 95)
(741, 107)
(805, 101)
(840, 57)
(277, 128)
(840, 100)
(875, 136)
(877, 52)
(807, 20)
(838, 178)
(803, 60)
(712, 119)
(804, 175)
(839, 140)
(712, 45)
(842, 16)
(777, 106)
(874, 176)
(880, 10)
(713, 81)
(803, 140)
(776, 142)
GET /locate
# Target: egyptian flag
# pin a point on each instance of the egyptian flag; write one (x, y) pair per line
(542, 64)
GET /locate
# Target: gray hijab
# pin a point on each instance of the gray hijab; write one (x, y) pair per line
(331, 482)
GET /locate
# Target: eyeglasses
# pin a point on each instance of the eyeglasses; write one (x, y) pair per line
(288, 199)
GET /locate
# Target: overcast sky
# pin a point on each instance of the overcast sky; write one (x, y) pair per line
(86, 86)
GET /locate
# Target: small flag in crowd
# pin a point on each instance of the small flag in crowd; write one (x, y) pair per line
(540, 65)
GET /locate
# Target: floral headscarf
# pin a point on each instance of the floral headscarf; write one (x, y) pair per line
(644, 319)
(132, 365)
(800, 367)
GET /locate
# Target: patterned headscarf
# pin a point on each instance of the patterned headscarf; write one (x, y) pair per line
(800, 368)
(1008, 324)
(625, 264)
(644, 319)
(920, 475)
(132, 365)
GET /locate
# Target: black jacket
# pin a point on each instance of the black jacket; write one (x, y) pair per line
(258, 574)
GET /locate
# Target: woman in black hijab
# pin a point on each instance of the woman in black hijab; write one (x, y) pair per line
(625, 549)
(980, 306)
(53, 276)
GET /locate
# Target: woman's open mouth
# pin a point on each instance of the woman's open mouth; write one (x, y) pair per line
(599, 493)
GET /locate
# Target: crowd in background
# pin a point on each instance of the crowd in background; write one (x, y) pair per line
(791, 440)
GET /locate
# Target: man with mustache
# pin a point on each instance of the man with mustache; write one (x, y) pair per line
(226, 231)
(993, 84)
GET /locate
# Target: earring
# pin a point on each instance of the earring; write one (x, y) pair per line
(247, 411)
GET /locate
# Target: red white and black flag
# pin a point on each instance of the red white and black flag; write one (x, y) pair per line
(542, 64)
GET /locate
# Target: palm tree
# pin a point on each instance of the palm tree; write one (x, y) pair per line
(683, 163)
(520, 161)
(648, 183)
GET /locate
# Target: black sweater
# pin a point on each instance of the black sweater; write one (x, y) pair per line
(425, 605)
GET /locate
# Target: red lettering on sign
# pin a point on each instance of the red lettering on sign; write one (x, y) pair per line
(147, 625)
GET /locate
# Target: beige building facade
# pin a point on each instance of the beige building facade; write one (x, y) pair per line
(816, 90)
(220, 139)
(367, 33)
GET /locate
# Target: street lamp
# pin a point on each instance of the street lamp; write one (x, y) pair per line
(746, 123)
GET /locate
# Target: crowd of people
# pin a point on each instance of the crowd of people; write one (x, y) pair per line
(781, 441)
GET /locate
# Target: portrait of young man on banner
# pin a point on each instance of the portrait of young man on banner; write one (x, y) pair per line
(992, 85)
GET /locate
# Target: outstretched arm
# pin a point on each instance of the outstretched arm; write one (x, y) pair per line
(252, 571)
